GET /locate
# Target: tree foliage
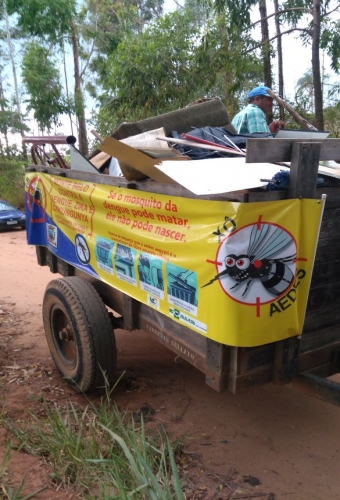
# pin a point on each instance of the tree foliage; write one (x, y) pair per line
(10, 120)
(332, 120)
(134, 62)
(42, 82)
(43, 18)
(330, 41)
(51, 21)
(239, 11)
(106, 22)
(151, 72)
(231, 75)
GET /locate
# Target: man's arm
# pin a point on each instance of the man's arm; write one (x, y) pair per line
(275, 126)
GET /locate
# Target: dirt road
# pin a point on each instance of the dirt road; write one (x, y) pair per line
(287, 440)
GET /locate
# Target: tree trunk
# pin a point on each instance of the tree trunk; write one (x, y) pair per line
(267, 70)
(316, 66)
(279, 57)
(2, 107)
(66, 85)
(228, 98)
(15, 79)
(78, 95)
(267, 73)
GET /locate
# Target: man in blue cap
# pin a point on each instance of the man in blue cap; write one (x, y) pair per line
(253, 117)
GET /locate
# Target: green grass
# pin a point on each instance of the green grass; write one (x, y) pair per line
(101, 453)
(12, 186)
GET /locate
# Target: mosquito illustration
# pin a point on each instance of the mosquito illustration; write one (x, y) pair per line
(258, 264)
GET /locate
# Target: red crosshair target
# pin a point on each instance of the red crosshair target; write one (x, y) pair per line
(256, 264)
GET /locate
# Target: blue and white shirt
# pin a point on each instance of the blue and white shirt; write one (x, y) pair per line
(251, 119)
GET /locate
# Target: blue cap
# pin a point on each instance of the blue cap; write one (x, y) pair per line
(258, 91)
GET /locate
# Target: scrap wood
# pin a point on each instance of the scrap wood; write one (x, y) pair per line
(302, 121)
(97, 136)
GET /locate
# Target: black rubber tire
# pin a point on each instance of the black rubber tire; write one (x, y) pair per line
(79, 333)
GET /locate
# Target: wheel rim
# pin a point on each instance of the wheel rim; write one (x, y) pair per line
(64, 337)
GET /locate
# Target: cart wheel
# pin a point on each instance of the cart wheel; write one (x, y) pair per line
(79, 333)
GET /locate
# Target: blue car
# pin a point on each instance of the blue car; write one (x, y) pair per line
(10, 216)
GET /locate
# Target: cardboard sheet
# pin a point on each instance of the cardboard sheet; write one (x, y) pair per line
(137, 159)
(219, 175)
(147, 140)
(150, 144)
(99, 160)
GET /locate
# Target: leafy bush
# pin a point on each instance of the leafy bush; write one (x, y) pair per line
(12, 187)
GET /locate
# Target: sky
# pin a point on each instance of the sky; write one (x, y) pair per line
(296, 57)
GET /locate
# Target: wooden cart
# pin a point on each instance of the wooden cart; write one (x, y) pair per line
(306, 360)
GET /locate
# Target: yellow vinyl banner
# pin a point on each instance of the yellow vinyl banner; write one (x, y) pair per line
(237, 273)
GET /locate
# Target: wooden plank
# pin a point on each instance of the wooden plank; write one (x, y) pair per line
(328, 245)
(285, 362)
(233, 369)
(322, 356)
(333, 196)
(330, 223)
(323, 308)
(254, 378)
(181, 346)
(327, 369)
(304, 169)
(135, 158)
(165, 324)
(146, 185)
(280, 150)
(317, 321)
(303, 175)
(324, 295)
(249, 367)
(320, 338)
(263, 195)
(332, 193)
(317, 386)
(217, 365)
(327, 270)
(130, 312)
(252, 358)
